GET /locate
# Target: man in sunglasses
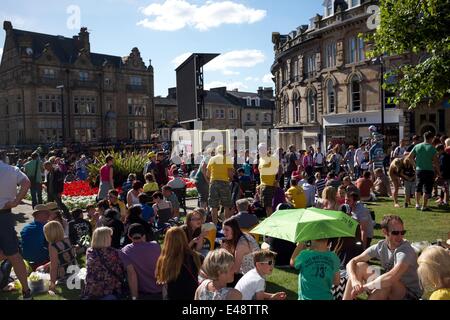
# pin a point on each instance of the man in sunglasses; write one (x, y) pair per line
(399, 261)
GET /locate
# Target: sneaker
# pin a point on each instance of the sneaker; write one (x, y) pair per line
(417, 207)
(396, 205)
(425, 209)
(406, 205)
(27, 295)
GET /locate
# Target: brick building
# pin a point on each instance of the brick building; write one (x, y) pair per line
(49, 83)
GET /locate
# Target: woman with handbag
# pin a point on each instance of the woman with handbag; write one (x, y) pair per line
(177, 267)
(105, 276)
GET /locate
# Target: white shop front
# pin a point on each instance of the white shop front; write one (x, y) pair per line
(353, 128)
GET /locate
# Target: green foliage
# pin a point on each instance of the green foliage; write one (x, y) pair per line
(420, 28)
(124, 164)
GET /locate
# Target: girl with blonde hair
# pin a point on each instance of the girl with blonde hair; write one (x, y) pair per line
(218, 268)
(61, 252)
(177, 267)
(329, 199)
(434, 272)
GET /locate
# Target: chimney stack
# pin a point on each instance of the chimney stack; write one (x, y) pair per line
(84, 39)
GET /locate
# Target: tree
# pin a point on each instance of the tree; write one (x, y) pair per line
(419, 27)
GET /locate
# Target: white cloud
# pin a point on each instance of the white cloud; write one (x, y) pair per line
(17, 21)
(255, 79)
(230, 85)
(231, 73)
(228, 61)
(236, 59)
(177, 61)
(268, 78)
(173, 15)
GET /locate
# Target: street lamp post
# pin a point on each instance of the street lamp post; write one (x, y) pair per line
(380, 61)
(61, 87)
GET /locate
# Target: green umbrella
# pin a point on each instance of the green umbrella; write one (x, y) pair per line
(299, 225)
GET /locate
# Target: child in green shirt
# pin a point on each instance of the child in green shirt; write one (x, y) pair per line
(319, 270)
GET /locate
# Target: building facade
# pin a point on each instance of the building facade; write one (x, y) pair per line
(54, 88)
(328, 90)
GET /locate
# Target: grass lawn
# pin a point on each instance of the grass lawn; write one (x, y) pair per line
(421, 226)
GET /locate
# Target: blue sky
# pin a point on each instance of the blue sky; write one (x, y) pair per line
(165, 31)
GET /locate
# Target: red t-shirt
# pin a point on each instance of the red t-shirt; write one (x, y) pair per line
(364, 186)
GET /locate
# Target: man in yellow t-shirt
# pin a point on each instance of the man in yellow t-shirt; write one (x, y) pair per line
(268, 171)
(296, 195)
(219, 172)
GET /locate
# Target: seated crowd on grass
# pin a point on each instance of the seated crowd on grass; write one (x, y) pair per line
(138, 244)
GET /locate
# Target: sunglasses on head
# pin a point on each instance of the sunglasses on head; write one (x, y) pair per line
(396, 233)
(270, 262)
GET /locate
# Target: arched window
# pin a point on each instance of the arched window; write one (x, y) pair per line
(311, 106)
(296, 103)
(331, 97)
(355, 94)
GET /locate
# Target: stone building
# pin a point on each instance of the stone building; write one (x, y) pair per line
(54, 88)
(328, 90)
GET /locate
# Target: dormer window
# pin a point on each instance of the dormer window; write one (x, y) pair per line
(257, 102)
(328, 8)
(311, 23)
(249, 101)
(353, 3)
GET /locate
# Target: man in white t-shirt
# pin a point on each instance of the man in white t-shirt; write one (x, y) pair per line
(253, 284)
(11, 177)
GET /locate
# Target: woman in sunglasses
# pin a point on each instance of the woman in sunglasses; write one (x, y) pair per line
(399, 261)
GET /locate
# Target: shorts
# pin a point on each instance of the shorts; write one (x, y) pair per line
(266, 193)
(425, 180)
(9, 243)
(220, 193)
(410, 187)
(203, 192)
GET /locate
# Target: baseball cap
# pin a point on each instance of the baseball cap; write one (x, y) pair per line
(151, 154)
(136, 230)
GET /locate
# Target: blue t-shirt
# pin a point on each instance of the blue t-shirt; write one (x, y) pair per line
(247, 169)
(34, 245)
(147, 212)
(317, 270)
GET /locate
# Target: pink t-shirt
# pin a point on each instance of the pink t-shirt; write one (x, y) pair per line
(104, 173)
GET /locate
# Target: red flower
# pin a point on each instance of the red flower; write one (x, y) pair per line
(80, 188)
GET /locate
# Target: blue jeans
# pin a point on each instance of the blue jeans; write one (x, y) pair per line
(36, 193)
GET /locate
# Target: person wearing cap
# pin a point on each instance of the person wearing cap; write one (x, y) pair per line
(220, 172)
(268, 170)
(12, 177)
(139, 259)
(150, 165)
(55, 186)
(34, 245)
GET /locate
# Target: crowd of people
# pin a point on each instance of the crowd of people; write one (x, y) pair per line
(209, 253)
